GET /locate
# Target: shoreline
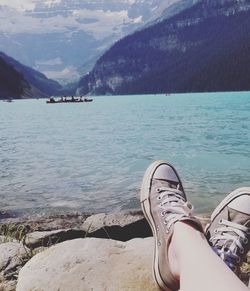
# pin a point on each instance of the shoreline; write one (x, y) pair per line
(67, 219)
(31, 238)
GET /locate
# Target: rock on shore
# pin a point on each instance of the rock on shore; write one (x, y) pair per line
(13, 256)
(91, 264)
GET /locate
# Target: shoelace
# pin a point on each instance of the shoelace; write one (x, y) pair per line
(173, 204)
(233, 236)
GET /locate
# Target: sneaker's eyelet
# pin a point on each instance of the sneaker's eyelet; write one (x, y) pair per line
(238, 259)
(159, 198)
(216, 230)
(158, 190)
(220, 222)
(242, 251)
(162, 214)
(245, 241)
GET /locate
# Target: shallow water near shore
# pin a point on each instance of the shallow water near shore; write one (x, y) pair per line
(58, 158)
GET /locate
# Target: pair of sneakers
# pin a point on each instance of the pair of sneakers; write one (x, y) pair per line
(164, 202)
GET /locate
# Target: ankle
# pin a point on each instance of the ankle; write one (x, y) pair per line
(184, 234)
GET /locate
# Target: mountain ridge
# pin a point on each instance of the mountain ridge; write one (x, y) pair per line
(180, 54)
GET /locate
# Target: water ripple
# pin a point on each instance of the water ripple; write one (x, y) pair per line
(93, 157)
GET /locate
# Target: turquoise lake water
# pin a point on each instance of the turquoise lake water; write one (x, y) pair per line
(92, 156)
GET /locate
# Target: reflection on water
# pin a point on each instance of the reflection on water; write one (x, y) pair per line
(91, 157)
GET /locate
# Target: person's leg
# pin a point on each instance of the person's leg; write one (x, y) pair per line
(182, 256)
(192, 260)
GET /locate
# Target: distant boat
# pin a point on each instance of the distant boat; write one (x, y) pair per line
(52, 100)
(7, 100)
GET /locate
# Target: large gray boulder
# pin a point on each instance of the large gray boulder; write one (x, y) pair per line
(91, 264)
(118, 226)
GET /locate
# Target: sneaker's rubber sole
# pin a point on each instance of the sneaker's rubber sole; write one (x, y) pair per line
(228, 199)
(146, 208)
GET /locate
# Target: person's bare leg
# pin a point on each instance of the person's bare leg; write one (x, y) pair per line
(196, 265)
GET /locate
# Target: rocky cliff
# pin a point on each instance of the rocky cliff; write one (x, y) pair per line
(19, 81)
(12, 83)
(203, 48)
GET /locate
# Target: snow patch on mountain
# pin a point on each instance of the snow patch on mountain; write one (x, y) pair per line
(25, 5)
(69, 73)
(98, 23)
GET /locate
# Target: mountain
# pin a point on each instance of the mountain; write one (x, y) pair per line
(12, 83)
(205, 47)
(20, 81)
(63, 38)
